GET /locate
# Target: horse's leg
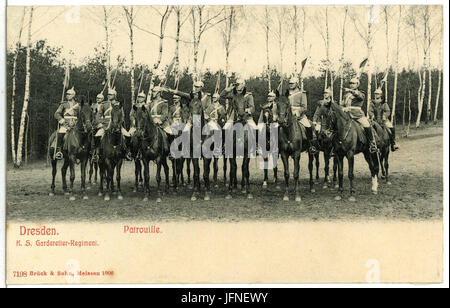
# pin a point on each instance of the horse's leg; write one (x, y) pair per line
(386, 165)
(63, 175)
(310, 168)
(275, 172)
(84, 162)
(243, 188)
(174, 173)
(340, 167)
(316, 157)
(54, 171)
(335, 167)
(297, 156)
(266, 176)
(72, 178)
(137, 173)
(166, 173)
(247, 177)
(285, 159)
(118, 178)
(188, 171)
(224, 170)
(158, 178)
(102, 177)
(91, 171)
(326, 158)
(145, 162)
(108, 175)
(206, 171)
(95, 172)
(233, 168)
(382, 165)
(216, 171)
(180, 164)
(196, 177)
(351, 163)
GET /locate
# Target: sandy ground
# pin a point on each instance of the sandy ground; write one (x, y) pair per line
(416, 193)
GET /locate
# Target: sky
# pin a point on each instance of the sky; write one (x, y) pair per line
(78, 30)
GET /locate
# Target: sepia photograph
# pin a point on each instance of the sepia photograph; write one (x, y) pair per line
(225, 143)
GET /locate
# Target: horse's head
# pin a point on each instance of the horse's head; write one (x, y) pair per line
(142, 118)
(284, 110)
(85, 116)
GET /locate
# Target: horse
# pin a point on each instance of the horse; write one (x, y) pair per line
(383, 144)
(75, 149)
(325, 142)
(152, 148)
(349, 142)
(292, 144)
(112, 154)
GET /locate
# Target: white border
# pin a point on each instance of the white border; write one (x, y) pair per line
(219, 2)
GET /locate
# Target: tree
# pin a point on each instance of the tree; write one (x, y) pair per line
(202, 19)
(13, 95)
(129, 15)
(438, 92)
(386, 22)
(366, 31)
(280, 32)
(341, 69)
(321, 23)
(26, 96)
(394, 99)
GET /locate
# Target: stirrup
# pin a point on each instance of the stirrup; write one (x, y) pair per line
(59, 155)
(394, 147)
(128, 156)
(373, 148)
(95, 158)
(312, 150)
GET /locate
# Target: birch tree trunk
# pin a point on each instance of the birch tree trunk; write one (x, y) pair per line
(26, 97)
(421, 97)
(394, 98)
(386, 19)
(130, 20)
(341, 87)
(108, 52)
(437, 98)
(13, 95)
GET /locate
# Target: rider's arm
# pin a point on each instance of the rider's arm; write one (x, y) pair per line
(59, 113)
(250, 108)
(371, 112)
(180, 93)
(386, 111)
(359, 95)
(227, 93)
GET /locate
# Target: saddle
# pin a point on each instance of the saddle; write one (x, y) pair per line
(360, 132)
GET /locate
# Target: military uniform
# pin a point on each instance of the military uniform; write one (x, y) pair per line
(104, 117)
(215, 115)
(380, 112)
(321, 114)
(67, 116)
(242, 104)
(159, 112)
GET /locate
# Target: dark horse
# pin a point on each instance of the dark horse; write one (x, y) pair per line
(111, 154)
(291, 144)
(349, 142)
(148, 139)
(325, 142)
(383, 144)
(75, 149)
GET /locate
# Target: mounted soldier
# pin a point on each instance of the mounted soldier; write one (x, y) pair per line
(159, 113)
(94, 141)
(380, 112)
(104, 119)
(321, 119)
(215, 114)
(140, 102)
(352, 103)
(241, 102)
(299, 106)
(67, 116)
(269, 110)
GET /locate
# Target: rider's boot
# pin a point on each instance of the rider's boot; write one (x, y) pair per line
(60, 142)
(394, 147)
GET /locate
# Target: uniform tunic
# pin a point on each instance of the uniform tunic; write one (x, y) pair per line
(69, 111)
(299, 105)
(353, 103)
(321, 115)
(241, 103)
(380, 112)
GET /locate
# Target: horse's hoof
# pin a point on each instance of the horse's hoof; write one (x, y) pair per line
(352, 199)
(158, 200)
(249, 196)
(106, 198)
(228, 197)
(120, 197)
(72, 198)
(95, 182)
(374, 192)
(325, 186)
(298, 199)
(193, 198)
(66, 193)
(206, 198)
(389, 183)
(337, 198)
(145, 199)
(99, 194)
(88, 188)
(85, 197)
(382, 177)
(336, 186)
(135, 190)
(278, 187)
(286, 198)
(313, 190)
(264, 184)
(51, 194)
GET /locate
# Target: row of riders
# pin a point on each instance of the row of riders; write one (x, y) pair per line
(97, 132)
